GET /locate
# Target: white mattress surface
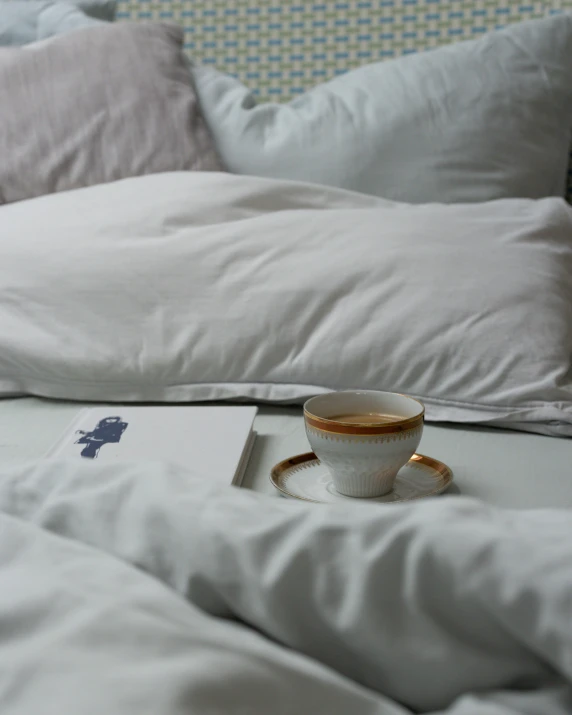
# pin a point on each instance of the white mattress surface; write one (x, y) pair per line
(511, 469)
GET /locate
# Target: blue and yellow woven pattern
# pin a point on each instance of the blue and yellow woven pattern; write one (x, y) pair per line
(281, 49)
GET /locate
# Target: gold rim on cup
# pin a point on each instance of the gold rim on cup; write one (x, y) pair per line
(327, 425)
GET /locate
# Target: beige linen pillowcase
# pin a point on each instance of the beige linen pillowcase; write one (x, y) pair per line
(98, 105)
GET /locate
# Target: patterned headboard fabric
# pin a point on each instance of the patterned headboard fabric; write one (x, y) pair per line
(282, 48)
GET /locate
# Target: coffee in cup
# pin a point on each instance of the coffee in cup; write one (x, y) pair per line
(374, 418)
(364, 437)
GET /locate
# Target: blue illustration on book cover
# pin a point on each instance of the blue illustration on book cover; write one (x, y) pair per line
(107, 431)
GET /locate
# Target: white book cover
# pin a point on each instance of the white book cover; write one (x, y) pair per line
(216, 441)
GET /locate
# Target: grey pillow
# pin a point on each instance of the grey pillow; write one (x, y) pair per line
(478, 120)
(19, 18)
(97, 105)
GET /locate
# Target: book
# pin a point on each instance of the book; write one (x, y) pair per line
(216, 441)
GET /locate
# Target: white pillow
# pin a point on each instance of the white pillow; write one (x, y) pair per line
(473, 121)
(206, 286)
(20, 20)
(61, 17)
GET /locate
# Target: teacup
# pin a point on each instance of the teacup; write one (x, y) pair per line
(364, 437)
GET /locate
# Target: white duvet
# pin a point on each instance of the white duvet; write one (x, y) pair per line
(205, 286)
(129, 589)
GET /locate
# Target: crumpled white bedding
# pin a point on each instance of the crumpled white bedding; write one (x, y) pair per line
(130, 588)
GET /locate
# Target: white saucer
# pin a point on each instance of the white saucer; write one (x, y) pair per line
(304, 477)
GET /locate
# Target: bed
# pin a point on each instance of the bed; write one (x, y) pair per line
(220, 265)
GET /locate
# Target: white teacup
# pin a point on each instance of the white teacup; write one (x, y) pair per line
(364, 437)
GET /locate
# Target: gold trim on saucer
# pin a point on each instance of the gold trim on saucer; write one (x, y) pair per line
(308, 459)
(422, 461)
(301, 461)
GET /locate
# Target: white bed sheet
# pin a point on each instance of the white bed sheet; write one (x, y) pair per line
(505, 468)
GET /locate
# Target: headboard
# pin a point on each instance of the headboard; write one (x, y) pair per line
(281, 49)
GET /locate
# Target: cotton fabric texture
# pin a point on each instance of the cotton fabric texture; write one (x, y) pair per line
(62, 17)
(20, 19)
(152, 589)
(473, 121)
(191, 286)
(97, 105)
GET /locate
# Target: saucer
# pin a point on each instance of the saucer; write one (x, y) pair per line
(304, 477)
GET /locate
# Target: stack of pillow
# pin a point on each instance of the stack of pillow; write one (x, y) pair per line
(467, 141)
(470, 122)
